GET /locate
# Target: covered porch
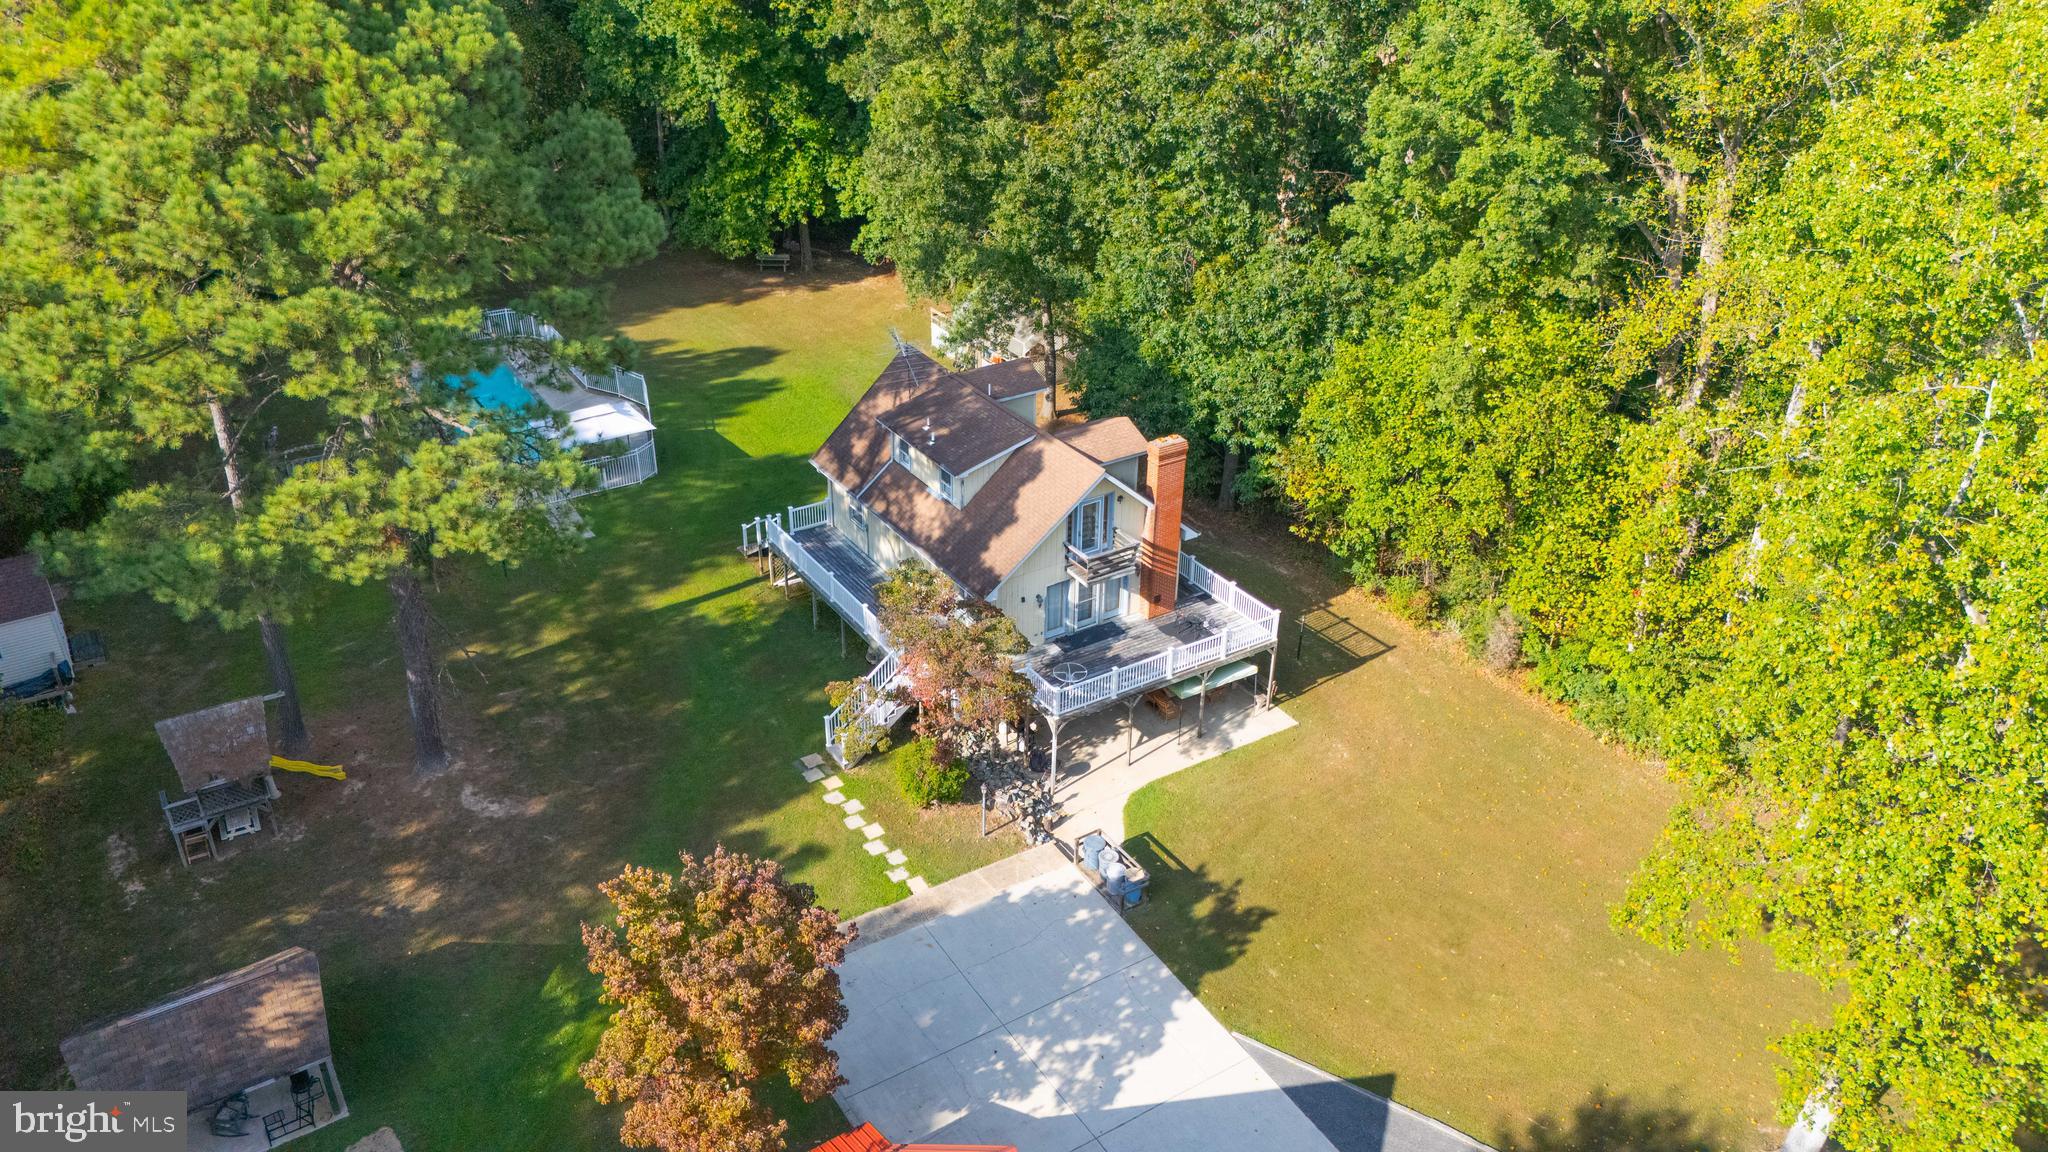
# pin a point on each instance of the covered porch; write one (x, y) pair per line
(249, 1049)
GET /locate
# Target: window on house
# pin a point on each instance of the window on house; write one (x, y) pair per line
(1088, 526)
(946, 486)
(899, 450)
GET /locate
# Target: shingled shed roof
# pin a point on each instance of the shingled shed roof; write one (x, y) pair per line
(225, 742)
(1005, 379)
(213, 1039)
(23, 591)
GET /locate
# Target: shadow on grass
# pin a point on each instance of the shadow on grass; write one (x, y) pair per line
(680, 279)
(1606, 1122)
(1197, 924)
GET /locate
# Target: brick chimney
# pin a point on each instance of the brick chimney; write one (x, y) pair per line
(1166, 467)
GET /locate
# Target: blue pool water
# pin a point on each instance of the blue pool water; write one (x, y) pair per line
(498, 388)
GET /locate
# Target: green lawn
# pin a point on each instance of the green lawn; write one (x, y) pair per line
(1411, 889)
(644, 696)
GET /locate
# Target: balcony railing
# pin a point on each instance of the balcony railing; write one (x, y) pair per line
(1118, 557)
(1258, 628)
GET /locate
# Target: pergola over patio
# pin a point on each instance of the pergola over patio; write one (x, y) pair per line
(249, 1049)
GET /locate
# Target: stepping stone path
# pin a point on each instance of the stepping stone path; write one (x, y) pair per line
(813, 769)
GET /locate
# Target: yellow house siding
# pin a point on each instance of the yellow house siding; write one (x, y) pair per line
(1047, 564)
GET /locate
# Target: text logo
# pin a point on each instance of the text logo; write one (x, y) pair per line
(109, 1121)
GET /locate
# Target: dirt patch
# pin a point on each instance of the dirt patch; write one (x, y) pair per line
(499, 808)
(120, 861)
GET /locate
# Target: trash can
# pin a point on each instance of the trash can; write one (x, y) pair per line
(1135, 879)
(1091, 851)
(1113, 876)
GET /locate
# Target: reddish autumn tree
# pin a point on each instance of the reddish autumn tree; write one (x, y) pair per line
(957, 659)
(723, 974)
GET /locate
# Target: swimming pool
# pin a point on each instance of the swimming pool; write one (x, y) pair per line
(497, 388)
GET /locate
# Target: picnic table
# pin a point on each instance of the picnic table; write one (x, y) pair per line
(223, 809)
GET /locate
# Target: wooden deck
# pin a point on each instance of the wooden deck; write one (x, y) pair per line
(1115, 643)
(852, 567)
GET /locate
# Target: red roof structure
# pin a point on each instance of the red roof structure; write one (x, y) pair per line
(866, 1139)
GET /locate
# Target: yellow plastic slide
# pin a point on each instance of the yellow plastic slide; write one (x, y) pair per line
(331, 771)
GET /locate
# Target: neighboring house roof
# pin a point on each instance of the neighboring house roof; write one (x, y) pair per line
(225, 742)
(1005, 379)
(23, 591)
(212, 1039)
(1108, 439)
(867, 1139)
(1013, 510)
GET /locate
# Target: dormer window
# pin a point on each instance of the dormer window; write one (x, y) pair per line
(946, 487)
(899, 450)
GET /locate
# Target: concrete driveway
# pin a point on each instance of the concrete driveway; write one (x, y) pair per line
(1013, 1006)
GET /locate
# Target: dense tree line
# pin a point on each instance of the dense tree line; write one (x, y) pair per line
(1683, 351)
(1686, 350)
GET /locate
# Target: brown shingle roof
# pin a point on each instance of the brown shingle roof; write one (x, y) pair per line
(981, 543)
(1107, 439)
(212, 1039)
(23, 591)
(1012, 511)
(956, 426)
(859, 447)
(1005, 379)
(225, 742)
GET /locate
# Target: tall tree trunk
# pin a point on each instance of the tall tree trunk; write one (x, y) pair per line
(660, 145)
(291, 722)
(422, 672)
(291, 718)
(803, 243)
(1226, 492)
(1714, 237)
(1052, 364)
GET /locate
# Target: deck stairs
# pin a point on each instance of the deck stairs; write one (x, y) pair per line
(883, 707)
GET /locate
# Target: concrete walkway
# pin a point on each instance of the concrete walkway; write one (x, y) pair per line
(1012, 1006)
(1099, 769)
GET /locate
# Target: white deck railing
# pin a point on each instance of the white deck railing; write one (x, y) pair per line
(878, 703)
(1259, 628)
(823, 582)
(802, 516)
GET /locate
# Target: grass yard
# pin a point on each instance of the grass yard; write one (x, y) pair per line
(1411, 889)
(647, 695)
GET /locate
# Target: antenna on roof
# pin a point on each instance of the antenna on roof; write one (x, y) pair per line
(897, 337)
